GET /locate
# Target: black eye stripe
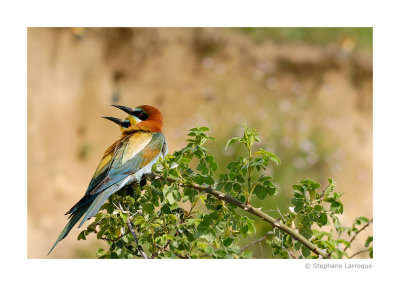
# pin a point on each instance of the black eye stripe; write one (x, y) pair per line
(140, 114)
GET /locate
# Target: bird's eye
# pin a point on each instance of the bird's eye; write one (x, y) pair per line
(140, 114)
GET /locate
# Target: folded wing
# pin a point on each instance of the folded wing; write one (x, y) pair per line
(129, 165)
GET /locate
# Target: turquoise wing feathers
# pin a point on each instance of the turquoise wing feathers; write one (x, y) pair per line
(119, 172)
(129, 160)
(132, 157)
(73, 220)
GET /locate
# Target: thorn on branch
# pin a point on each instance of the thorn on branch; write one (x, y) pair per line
(358, 231)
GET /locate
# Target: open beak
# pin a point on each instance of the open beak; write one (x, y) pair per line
(134, 120)
(124, 108)
(116, 120)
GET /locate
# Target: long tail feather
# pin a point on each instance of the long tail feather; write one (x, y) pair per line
(74, 219)
(81, 203)
(98, 202)
(88, 208)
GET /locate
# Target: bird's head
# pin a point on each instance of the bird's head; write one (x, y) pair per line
(144, 117)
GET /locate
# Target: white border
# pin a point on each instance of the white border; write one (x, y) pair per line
(17, 16)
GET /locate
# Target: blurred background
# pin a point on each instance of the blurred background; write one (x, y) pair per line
(307, 91)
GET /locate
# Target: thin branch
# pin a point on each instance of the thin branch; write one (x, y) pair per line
(128, 222)
(283, 219)
(252, 189)
(323, 192)
(249, 208)
(192, 207)
(357, 232)
(162, 249)
(110, 240)
(359, 252)
(182, 257)
(256, 241)
(321, 197)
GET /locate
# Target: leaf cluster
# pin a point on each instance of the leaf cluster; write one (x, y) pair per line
(173, 219)
(312, 212)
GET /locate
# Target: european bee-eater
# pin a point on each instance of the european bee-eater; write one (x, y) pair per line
(124, 162)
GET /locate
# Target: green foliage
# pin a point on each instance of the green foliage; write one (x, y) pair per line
(312, 208)
(171, 218)
(246, 175)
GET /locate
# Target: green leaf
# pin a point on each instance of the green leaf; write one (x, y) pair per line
(368, 241)
(236, 187)
(228, 241)
(101, 232)
(272, 191)
(323, 219)
(231, 141)
(300, 188)
(223, 177)
(297, 202)
(209, 180)
(361, 220)
(232, 176)
(101, 252)
(174, 206)
(166, 209)
(148, 208)
(204, 129)
(198, 179)
(336, 221)
(228, 187)
(170, 198)
(240, 178)
(82, 235)
(260, 192)
(312, 194)
(220, 253)
(191, 193)
(202, 167)
(298, 194)
(318, 208)
(214, 165)
(172, 218)
(345, 242)
(203, 227)
(124, 216)
(305, 251)
(337, 207)
(329, 200)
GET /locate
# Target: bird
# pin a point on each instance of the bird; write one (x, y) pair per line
(125, 162)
